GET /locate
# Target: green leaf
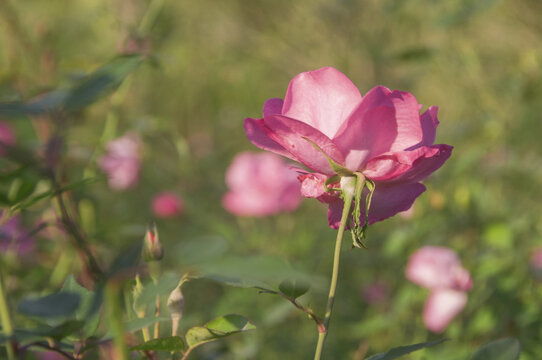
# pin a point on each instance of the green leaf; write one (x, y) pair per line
(102, 81)
(128, 259)
(218, 328)
(504, 349)
(172, 344)
(404, 350)
(165, 285)
(54, 305)
(201, 249)
(294, 288)
(83, 311)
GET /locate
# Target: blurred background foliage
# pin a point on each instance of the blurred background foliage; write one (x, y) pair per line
(213, 63)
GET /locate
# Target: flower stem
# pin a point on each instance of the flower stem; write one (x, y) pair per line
(7, 328)
(322, 333)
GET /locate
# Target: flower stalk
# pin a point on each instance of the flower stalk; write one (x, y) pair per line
(7, 327)
(348, 196)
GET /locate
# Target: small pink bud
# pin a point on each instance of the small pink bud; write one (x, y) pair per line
(167, 205)
(153, 247)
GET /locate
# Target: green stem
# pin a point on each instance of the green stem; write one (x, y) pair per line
(7, 328)
(114, 312)
(322, 333)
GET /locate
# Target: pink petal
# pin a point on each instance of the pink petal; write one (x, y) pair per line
(256, 133)
(334, 213)
(272, 106)
(408, 166)
(429, 122)
(437, 267)
(383, 122)
(290, 133)
(388, 200)
(441, 307)
(312, 186)
(322, 99)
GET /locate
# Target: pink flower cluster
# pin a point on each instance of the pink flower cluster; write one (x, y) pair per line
(122, 162)
(260, 185)
(439, 270)
(381, 135)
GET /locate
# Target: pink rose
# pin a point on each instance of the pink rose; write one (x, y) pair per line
(166, 205)
(381, 135)
(439, 270)
(122, 161)
(7, 136)
(260, 185)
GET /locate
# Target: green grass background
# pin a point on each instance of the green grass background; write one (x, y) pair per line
(216, 62)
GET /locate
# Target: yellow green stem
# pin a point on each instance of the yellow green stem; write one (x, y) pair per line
(322, 333)
(7, 328)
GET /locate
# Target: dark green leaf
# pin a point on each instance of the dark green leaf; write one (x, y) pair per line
(403, 350)
(294, 288)
(172, 344)
(58, 304)
(102, 81)
(504, 349)
(218, 328)
(126, 261)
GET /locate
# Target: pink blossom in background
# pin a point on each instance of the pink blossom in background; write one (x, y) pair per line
(259, 185)
(49, 355)
(166, 205)
(7, 136)
(382, 135)
(122, 161)
(439, 270)
(13, 237)
(536, 259)
(376, 293)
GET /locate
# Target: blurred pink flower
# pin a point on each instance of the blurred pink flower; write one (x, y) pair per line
(260, 184)
(376, 293)
(382, 135)
(166, 204)
(122, 161)
(13, 237)
(7, 136)
(49, 355)
(439, 270)
(536, 259)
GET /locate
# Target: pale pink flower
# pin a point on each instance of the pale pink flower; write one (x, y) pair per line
(14, 237)
(7, 136)
(439, 270)
(166, 205)
(382, 135)
(122, 162)
(260, 184)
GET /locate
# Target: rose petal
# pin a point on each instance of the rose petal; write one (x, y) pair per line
(322, 99)
(429, 123)
(334, 213)
(385, 121)
(441, 307)
(256, 133)
(388, 200)
(408, 166)
(290, 134)
(272, 106)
